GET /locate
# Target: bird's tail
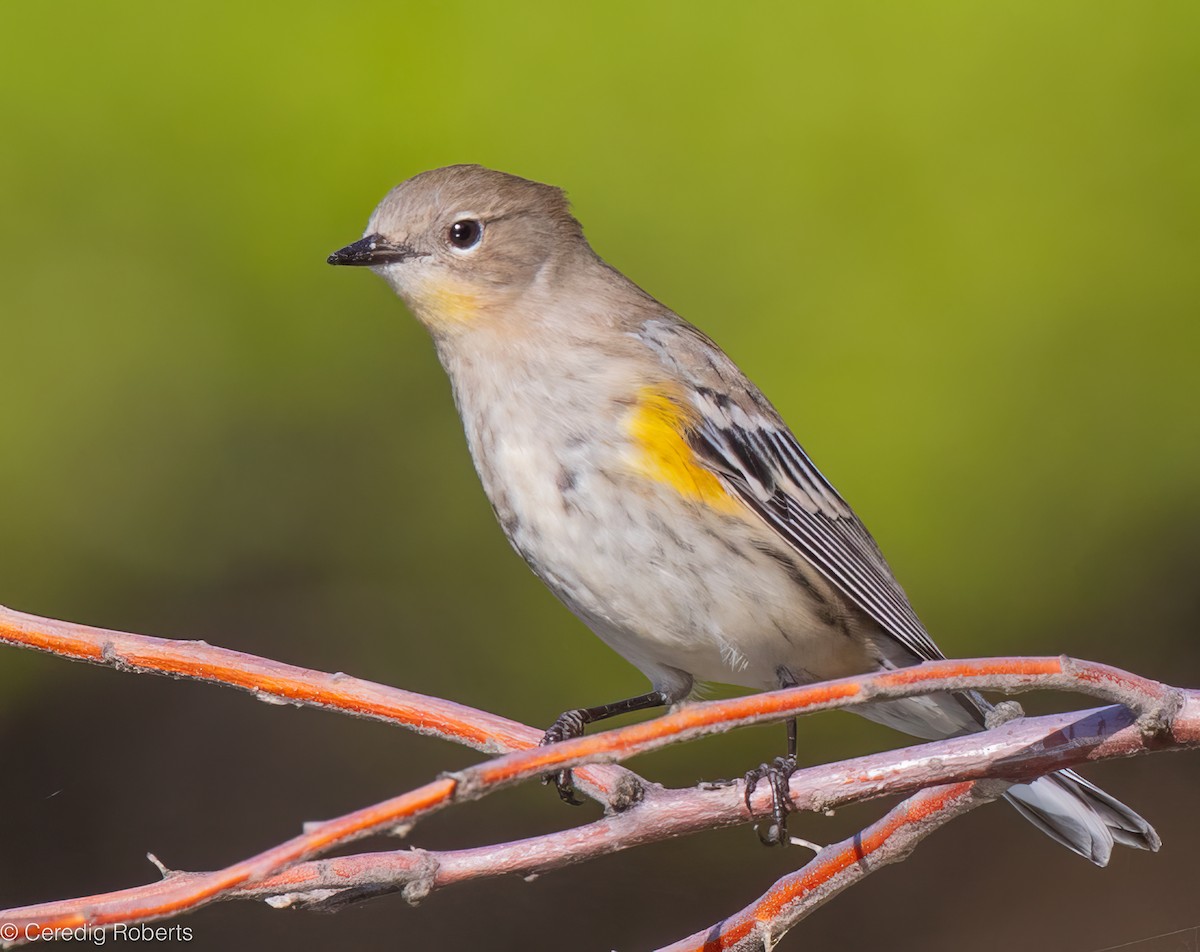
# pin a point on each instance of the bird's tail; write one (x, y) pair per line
(1063, 805)
(1081, 816)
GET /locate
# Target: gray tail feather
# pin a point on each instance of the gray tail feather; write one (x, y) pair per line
(1081, 816)
(1063, 805)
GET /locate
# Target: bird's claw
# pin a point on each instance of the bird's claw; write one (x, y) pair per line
(565, 786)
(569, 724)
(777, 774)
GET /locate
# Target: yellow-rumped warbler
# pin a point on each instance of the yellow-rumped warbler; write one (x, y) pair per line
(651, 485)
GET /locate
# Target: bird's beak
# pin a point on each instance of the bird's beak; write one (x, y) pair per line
(372, 250)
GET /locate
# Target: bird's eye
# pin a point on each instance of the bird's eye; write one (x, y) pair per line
(465, 233)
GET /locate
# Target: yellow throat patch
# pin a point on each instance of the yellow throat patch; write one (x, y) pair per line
(444, 304)
(657, 425)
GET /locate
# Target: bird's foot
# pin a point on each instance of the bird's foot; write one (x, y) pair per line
(777, 774)
(569, 724)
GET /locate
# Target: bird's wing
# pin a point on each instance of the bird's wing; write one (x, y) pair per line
(740, 437)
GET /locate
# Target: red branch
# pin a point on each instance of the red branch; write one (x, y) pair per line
(274, 681)
(1166, 718)
(1027, 748)
(837, 867)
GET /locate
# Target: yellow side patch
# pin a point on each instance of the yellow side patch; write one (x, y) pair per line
(657, 426)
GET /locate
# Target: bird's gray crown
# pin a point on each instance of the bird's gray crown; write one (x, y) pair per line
(431, 196)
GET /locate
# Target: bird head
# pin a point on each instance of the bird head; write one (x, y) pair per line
(460, 245)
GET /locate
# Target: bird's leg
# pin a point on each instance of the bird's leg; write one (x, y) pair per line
(571, 723)
(777, 773)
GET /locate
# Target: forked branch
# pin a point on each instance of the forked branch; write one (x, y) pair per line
(1150, 716)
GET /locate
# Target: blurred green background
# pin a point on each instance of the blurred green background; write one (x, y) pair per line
(957, 244)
